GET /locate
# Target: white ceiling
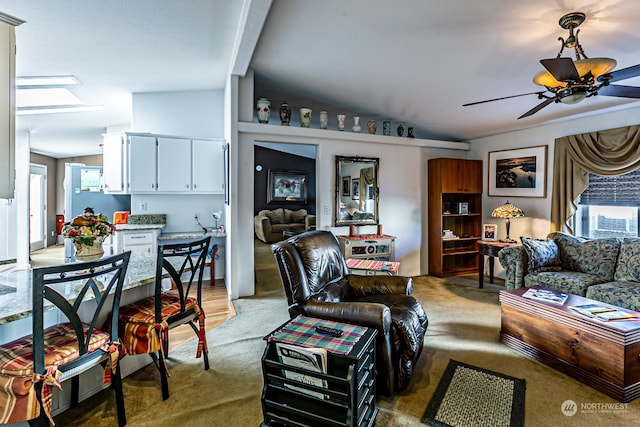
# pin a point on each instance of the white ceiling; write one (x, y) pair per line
(414, 61)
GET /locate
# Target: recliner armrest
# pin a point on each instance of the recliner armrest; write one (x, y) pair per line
(377, 285)
(369, 314)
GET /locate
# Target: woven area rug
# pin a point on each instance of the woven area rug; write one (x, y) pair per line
(469, 396)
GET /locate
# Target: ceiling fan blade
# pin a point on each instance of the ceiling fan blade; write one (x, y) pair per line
(504, 97)
(537, 108)
(620, 90)
(625, 73)
(563, 69)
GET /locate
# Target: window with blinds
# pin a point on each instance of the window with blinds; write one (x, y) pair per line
(617, 190)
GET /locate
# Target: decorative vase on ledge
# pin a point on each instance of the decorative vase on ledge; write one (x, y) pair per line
(285, 114)
(341, 118)
(356, 125)
(263, 107)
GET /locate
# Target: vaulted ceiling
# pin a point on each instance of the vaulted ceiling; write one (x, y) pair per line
(413, 61)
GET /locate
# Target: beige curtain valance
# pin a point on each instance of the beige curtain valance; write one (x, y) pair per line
(607, 152)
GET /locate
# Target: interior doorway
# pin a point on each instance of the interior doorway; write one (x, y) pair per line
(284, 157)
(37, 207)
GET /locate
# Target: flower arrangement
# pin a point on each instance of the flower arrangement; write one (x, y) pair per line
(88, 227)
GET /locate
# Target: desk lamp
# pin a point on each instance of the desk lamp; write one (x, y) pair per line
(507, 211)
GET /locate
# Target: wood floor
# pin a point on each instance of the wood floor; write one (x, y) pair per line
(217, 307)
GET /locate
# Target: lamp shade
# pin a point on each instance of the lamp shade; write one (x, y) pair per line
(597, 66)
(507, 211)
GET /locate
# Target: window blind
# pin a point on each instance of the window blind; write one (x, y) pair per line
(617, 190)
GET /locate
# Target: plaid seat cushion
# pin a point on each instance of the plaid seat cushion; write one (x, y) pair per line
(18, 401)
(138, 322)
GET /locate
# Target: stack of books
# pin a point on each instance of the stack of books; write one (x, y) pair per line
(602, 312)
(448, 235)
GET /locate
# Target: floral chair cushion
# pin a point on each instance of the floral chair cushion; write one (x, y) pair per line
(543, 254)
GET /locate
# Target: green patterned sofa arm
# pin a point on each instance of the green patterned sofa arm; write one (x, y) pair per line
(515, 262)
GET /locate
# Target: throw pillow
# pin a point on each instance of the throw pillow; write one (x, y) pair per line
(597, 257)
(275, 216)
(628, 268)
(543, 254)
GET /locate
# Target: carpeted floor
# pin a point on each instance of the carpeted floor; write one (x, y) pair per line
(464, 324)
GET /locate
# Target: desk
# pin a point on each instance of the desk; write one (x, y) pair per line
(489, 248)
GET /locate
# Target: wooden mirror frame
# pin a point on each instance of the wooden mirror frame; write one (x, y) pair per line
(362, 207)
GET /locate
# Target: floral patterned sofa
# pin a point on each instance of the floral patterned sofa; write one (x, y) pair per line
(606, 270)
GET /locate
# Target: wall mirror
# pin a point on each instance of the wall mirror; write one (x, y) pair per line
(356, 191)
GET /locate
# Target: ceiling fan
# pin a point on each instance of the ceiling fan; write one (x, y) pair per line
(569, 81)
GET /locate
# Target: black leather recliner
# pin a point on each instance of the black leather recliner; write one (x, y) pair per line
(318, 284)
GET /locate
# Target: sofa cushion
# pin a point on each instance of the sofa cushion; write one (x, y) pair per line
(275, 216)
(543, 254)
(628, 268)
(621, 294)
(564, 281)
(298, 216)
(592, 256)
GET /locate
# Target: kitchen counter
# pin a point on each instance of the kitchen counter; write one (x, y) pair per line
(190, 235)
(16, 298)
(138, 227)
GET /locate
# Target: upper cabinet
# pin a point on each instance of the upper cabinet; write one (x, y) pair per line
(460, 176)
(8, 104)
(146, 163)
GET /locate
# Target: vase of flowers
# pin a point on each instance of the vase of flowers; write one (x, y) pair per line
(88, 231)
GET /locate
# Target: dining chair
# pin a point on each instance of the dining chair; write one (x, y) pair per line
(145, 324)
(74, 321)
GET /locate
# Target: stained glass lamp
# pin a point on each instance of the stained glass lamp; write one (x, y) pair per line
(507, 211)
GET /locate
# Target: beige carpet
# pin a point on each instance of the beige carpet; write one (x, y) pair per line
(464, 325)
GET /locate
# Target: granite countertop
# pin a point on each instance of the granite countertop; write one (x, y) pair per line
(181, 235)
(138, 227)
(16, 290)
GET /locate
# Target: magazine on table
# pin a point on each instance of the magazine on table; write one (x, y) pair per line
(310, 359)
(546, 295)
(591, 309)
(605, 313)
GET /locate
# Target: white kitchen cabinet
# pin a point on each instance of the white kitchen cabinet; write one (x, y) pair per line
(151, 163)
(136, 240)
(8, 106)
(207, 174)
(174, 165)
(115, 171)
(143, 164)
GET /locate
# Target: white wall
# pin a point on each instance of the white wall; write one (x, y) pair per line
(538, 210)
(192, 114)
(188, 113)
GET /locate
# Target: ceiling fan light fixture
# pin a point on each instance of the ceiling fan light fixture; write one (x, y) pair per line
(597, 67)
(574, 98)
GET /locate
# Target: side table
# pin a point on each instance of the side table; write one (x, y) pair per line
(489, 248)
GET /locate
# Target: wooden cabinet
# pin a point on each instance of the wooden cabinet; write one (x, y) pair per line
(453, 229)
(142, 164)
(144, 241)
(365, 246)
(115, 171)
(174, 165)
(147, 163)
(207, 174)
(8, 106)
(350, 388)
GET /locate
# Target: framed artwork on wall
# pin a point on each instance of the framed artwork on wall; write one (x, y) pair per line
(286, 186)
(346, 186)
(355, 188)
(489, 232)
(518, 172)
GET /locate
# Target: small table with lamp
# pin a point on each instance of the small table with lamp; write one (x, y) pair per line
(491, 248)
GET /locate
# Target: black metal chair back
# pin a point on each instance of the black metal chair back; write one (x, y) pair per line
(70, 288)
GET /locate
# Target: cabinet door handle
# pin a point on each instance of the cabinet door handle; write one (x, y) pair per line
(195, 185)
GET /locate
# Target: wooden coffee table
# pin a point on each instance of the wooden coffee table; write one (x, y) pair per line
(603, 355)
